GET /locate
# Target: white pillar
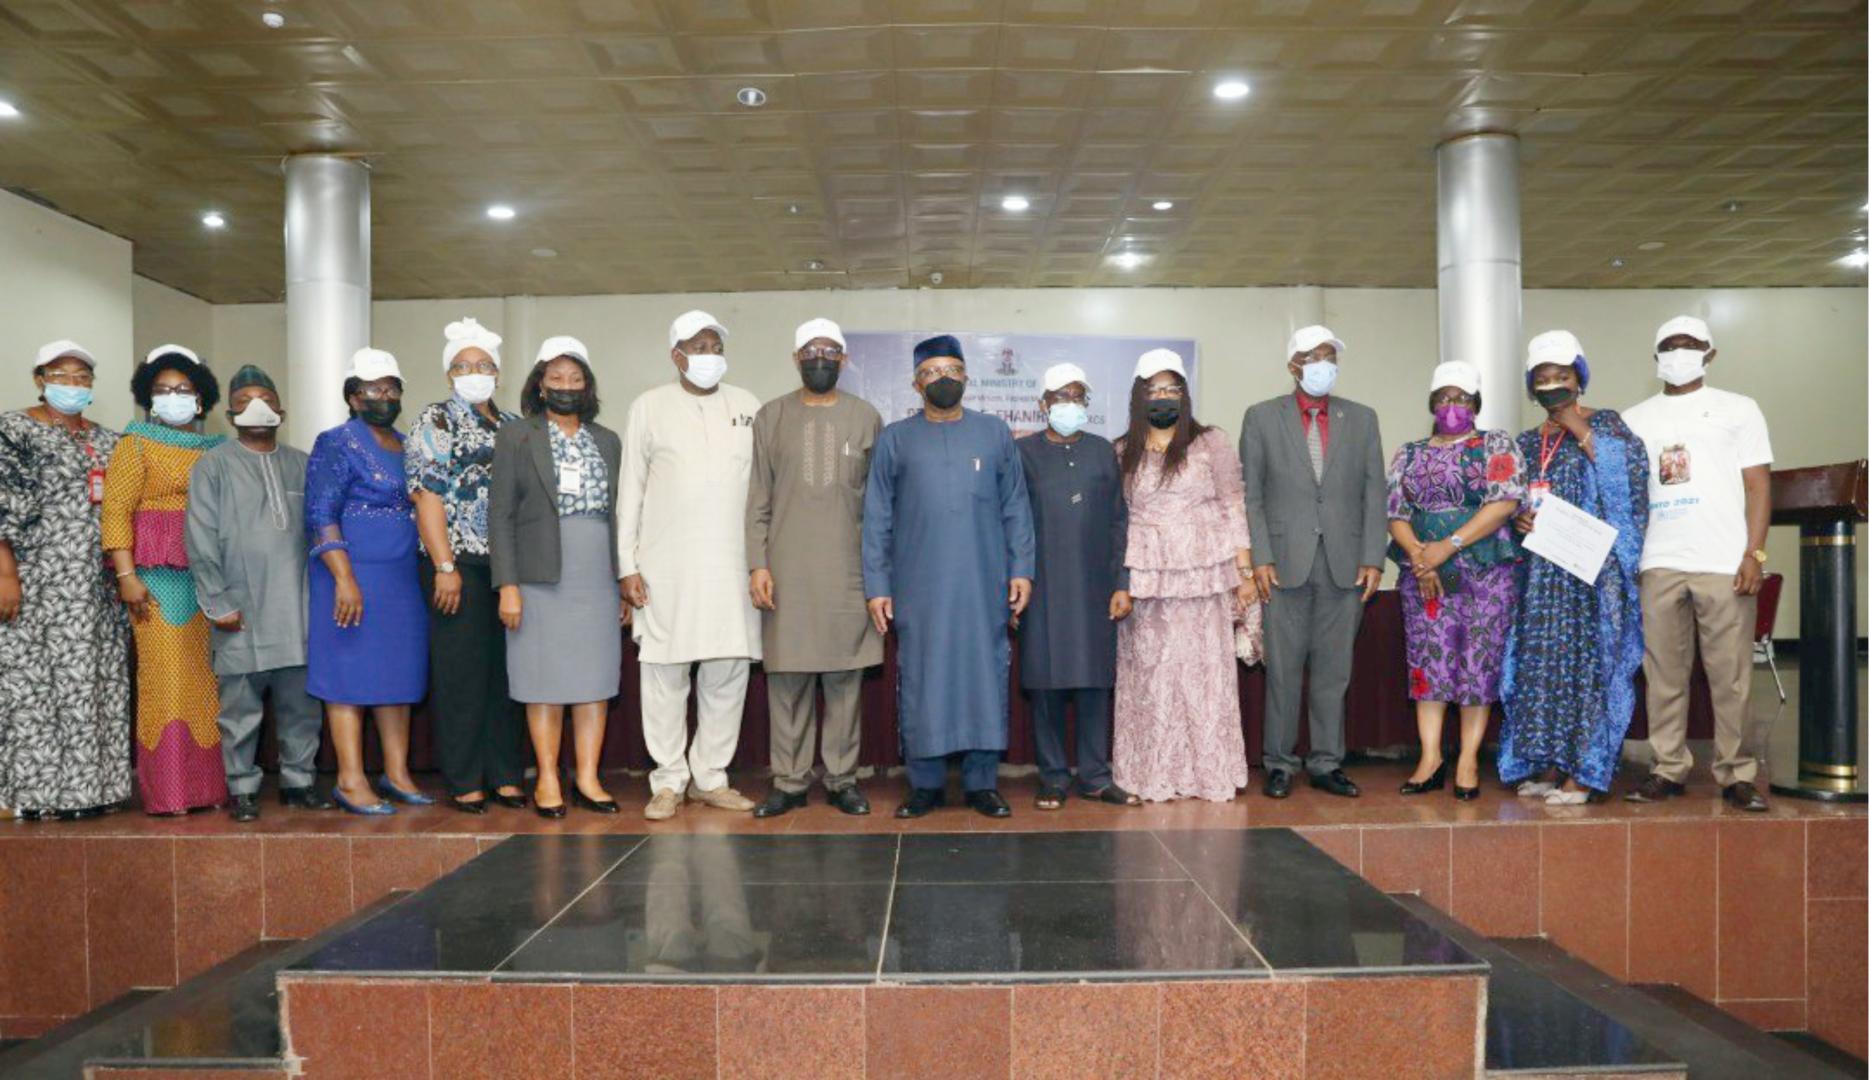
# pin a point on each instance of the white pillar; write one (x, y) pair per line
(520, 342)
(327, 285)
(1477, 241)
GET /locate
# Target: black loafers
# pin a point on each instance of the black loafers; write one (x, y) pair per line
(1743, 796)
(989, 803)
(1278, 784)
(849, 800)
(304, 798)
(1336, 782)
(779, 802)
(244, 808)
(920, 801)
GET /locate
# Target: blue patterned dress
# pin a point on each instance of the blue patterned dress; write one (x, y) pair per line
(1568, 685)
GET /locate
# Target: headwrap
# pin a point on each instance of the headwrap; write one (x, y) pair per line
(250, 375)
(469, 334)
(939, 345)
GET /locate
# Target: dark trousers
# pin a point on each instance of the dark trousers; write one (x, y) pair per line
(1093, 736)
(477, 726)
(979, 771)
(1314, 622)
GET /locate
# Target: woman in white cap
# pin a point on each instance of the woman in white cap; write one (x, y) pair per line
(1190, 578)
(62, 753)
(368, 646)
(449, 462)
(1569, 681)
(178, 736)
(1451, 500)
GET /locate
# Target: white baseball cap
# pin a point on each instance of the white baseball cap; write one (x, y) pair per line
(1156, 361)
(690, 323)
(562, 345)
(1307, 338)
(807, 332)
(52, 350)
(1553, 347)
(1059, 376)
(1684, 324)
(372, 364)
(1456, 373)
(164, 350)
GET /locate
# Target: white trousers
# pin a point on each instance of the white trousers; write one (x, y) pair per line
(720, 697)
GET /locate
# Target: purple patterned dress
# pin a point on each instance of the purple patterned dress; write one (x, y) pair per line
(1457, 642)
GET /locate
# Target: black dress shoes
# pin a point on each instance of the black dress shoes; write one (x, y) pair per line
(595, 806)
(1743, 796)
(511, 802)
(1435, 782)
(304, 798)
(1337, 782)
(779, 802)
(1278, 784)
(549, 813)
(988, 802)
(477, 806)
(244, 808)
(849, 800)
(920, 801)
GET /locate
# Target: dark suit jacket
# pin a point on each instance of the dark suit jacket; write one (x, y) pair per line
(522, 503)
(1287, 508)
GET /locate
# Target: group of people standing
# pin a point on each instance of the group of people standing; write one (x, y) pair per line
(487, 559)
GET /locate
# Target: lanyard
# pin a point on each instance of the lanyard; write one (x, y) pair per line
(1547, 452)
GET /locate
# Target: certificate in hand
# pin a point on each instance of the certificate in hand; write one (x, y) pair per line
(1577, 542)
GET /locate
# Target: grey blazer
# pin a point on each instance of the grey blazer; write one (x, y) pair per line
(1287, 508)
(522, 504)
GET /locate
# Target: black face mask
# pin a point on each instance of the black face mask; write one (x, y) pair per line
(1556, 397)
(381, 413)
(820, 375)
(944, 393)
(1164, 412)
(564, 402)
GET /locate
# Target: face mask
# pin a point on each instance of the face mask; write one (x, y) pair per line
(1554, 398)
(1678, 367)
(1164, 412)
(1068, 418)
(380, 413)
(256, 414)
(944, 393)
(475, 389)
(174, 410)
(705, 370)
(820, 375)
(1453, 419)
(1318, 377)
(70, 400)
(564, 402)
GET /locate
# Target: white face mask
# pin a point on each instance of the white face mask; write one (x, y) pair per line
(475, 389)
(174, 410)
(705, 370)
(1318, 377)
(256, 414)
(1678, 367)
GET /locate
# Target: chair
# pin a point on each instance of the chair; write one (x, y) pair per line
(1770, 587)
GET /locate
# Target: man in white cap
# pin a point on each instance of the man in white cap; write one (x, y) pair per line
(681, 546)
(1067, 636)
(1315, 505)
(1709, 503)
(804, 524)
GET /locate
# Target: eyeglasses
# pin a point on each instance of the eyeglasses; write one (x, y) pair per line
(1316, 355)
(380, 393)
(68, 378)
(474, 367)
(1078, 397)
(1172, 390)
(827, 352)
(1453, 397)
(167, 391)
(945, 371)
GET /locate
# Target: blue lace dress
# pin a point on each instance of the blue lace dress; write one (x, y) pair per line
(356, 499)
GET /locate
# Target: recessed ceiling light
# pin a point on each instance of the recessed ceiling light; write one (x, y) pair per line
(1164, 204)
(1651, 245)
(545, 253)
(751, 96)
(792, 208)
(501, 212)
(1856, 260)
(1128, 260)
(1616, 264)
(8, 110)
(1015, 203)
(1231, 89)
(1731, 207)
(213, 220)
(814, 264)
(273, 19)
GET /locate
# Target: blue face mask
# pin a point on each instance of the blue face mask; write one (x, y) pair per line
(1068, 418)
(70, 400)
(1317, 377)
(175, 410)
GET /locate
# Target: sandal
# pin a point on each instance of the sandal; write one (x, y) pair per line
(1050, 798)
(1114, 795)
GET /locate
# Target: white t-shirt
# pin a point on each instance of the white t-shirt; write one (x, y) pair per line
(1697, 445)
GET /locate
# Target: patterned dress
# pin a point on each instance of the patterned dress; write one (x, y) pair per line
(1177, 676)
(1457, 642)
(178, 760)
(64, 660)
(449, 452)
(1568, 683)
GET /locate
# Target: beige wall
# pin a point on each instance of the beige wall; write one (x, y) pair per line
(61, 278)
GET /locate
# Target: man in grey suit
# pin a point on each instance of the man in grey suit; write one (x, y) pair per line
(1315, 502)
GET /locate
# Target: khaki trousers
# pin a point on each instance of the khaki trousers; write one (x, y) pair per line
(792, 702)
(1677, 606)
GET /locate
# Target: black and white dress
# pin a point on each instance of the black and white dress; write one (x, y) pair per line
(64, 660)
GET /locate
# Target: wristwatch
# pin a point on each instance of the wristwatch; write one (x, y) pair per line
(444, 568)
(1456, 541)
(1758, 556)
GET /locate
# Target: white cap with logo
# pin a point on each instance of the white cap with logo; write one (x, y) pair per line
(1553, 347)
(372, 364)
(1059, 376)
(561, 345)
(690, 323)
(1304, 339)
(1684, 324)
(1458, 374)
(1156, 361)
(808, 332)
(52, 350)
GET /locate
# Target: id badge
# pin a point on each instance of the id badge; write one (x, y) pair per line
(94, 485)
(1538, 490)
(571, 480)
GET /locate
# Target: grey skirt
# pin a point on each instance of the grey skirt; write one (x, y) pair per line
(568, 649)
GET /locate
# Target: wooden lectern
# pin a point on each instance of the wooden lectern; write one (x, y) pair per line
(1825, 503)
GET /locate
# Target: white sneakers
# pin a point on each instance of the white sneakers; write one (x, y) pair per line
(1536, 789)
(662, 806)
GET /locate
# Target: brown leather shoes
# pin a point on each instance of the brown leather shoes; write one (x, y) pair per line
(1743, 796)
(1656, 788)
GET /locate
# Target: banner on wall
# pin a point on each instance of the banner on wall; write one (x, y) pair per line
(1005, 373)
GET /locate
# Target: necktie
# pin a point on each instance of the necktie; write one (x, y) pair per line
(1314, 443)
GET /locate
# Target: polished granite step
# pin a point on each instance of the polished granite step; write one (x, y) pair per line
(1799, 1055)
(866, 908)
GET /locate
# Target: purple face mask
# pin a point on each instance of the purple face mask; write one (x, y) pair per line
(1453, 420)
